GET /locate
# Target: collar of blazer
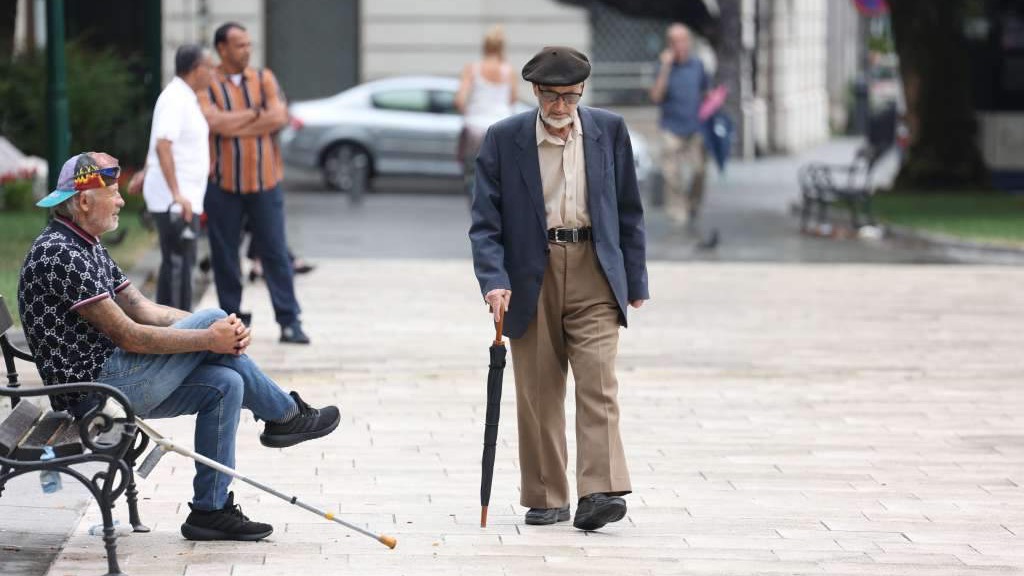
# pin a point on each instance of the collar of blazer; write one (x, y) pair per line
(529, 164)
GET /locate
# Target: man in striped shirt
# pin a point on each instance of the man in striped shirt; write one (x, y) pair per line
(244, 109)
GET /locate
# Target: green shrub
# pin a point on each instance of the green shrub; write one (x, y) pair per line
(16, 195)
(16, 189)
(105, 99)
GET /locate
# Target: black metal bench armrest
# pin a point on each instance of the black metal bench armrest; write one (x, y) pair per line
(94, 418)
(12, 350)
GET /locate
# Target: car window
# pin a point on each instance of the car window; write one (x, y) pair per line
(443, 102)
(405, 100)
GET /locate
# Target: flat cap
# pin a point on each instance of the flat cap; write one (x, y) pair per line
(557, 66)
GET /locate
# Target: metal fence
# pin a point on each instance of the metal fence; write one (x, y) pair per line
(624, 51)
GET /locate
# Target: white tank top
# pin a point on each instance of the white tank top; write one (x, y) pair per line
(488, 101)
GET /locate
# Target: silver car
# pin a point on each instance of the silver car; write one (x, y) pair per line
(396, 126)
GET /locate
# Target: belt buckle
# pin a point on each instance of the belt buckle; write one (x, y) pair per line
(562, 235)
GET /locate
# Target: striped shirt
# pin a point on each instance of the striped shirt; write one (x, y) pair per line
(243, 164)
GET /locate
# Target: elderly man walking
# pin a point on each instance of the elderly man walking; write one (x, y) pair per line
(558, 244)
(244, 110)
(679, 90)
(86, 322)
(178, 166)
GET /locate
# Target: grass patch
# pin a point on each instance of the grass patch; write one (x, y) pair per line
(19, 229)
(982, 216)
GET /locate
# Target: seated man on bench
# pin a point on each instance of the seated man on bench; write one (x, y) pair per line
(85, 322)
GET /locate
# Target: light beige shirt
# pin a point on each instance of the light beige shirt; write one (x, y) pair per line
(563, 176)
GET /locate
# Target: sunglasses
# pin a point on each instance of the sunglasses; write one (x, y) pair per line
(569, 98)
(110, 175)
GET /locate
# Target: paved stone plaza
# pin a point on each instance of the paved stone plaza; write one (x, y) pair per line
(778, 418)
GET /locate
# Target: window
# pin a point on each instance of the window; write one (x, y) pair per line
(443, 102)
(404, 100)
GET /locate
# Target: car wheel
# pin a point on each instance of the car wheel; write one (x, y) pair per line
(346, 168)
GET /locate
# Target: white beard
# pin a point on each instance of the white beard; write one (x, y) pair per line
(556, 123)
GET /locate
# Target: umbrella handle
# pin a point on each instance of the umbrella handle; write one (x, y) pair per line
(498, 327)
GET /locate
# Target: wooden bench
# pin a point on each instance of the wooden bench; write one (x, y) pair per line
(109, 438)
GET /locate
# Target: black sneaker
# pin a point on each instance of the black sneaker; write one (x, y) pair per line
(293, 334)
(228, 523)
(309, 424)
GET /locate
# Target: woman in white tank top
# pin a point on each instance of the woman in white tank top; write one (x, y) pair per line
(485, 96)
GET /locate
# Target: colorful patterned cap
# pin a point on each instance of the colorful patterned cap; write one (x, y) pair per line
(82, 172)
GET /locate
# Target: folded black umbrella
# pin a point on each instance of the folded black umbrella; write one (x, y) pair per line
(494, 376)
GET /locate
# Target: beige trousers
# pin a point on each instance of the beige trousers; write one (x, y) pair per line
(577, 324)
(682, 165)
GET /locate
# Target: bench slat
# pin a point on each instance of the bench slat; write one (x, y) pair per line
(67, 442)
(48, 432)
(17, 425)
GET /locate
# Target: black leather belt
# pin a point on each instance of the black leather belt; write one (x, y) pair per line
(562, 235)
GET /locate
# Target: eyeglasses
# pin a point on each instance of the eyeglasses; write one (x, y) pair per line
(110, 175)
(569, 98)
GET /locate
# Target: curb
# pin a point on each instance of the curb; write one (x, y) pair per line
(958, 248)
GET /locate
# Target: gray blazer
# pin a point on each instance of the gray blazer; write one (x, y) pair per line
(508, 233)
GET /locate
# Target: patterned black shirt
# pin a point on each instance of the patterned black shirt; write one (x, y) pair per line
(65, 269)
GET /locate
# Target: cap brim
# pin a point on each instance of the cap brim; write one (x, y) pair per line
(55, 197)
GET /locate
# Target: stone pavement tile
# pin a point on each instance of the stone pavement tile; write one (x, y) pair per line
(844, 535)
(913, 558)
(821, 555)
(876, 569)
(341, 544)
(429, 564)
(959, 550)
(676, 552)
(744, 543)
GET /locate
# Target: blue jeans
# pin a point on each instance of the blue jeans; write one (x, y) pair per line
(214, 386)
(265, 213)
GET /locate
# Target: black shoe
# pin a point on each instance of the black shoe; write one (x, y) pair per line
(293, 334)
(546, 516)
(309, 424)
(596, 510)
(228, 523)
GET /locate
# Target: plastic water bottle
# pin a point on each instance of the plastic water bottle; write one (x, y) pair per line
(49, 479)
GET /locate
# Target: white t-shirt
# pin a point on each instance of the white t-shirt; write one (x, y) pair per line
(178, 118)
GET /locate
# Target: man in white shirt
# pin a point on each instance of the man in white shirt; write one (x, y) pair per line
(178, 166)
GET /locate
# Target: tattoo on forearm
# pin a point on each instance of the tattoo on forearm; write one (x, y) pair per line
(134, 336)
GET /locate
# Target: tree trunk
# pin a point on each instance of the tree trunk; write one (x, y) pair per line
(8, 16)
(943, 152)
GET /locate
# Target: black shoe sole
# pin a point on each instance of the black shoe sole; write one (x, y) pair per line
(286, 440)
(205, 534)
(563, 516)
(597, 518)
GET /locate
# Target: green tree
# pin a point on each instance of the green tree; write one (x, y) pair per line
(8, 16)
(943, 151)
(105, 99)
